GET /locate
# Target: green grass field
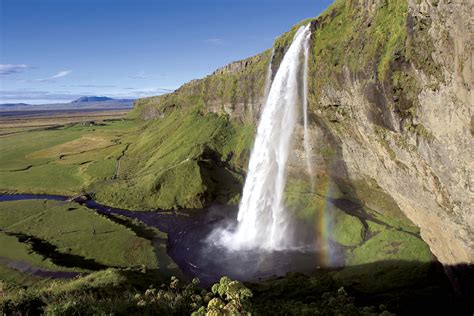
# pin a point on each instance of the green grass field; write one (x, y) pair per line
(75, 232)
(65, 160)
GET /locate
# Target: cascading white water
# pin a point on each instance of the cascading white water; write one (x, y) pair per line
(263, 222)
(306, 140)
(268, 81)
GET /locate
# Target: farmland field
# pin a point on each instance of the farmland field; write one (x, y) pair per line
(63, 159)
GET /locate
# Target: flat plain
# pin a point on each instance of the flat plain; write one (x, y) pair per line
(60, 157)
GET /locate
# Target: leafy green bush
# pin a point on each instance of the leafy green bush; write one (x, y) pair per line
(232, 298)
(171, 300)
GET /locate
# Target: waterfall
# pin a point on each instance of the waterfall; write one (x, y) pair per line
(307, 140)
(268, 80)
(262, 219)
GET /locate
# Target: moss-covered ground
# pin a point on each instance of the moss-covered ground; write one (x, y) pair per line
(360, 217)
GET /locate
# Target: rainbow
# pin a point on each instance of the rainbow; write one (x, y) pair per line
(323, 224)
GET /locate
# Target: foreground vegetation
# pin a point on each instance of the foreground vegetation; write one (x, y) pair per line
(132, 291)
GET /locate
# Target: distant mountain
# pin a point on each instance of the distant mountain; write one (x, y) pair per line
(92, 99)
(87, 102)
(11, 105)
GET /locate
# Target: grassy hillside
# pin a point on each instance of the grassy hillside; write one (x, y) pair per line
(187, 158)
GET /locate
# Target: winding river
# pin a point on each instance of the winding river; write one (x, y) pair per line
(191, 249)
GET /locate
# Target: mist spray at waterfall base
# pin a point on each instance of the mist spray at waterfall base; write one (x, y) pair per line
(195, 247)
(262, 239)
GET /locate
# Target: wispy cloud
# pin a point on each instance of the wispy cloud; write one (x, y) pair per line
(215, 41)
(8, 69)
(60, 74)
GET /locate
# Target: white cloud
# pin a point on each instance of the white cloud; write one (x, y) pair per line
(8, 69)
(215, 41)
(61, 74)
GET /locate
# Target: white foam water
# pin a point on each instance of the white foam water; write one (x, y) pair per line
(307, 139)
(263, 222)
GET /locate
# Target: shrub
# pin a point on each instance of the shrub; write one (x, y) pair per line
(232, 298)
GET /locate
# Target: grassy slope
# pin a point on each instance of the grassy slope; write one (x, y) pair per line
(184, 159)
(15, 250)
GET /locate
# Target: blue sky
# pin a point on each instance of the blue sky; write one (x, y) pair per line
(58, 50)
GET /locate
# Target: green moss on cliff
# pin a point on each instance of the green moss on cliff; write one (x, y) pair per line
(349, 37)
(234, 89)
(347, 230)
(378, 47)
(317, 206)
(390, 244)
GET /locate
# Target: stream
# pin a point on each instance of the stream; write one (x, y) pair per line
(189, 246)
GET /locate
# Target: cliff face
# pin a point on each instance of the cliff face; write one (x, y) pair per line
(406, 124)
(391, 117)
(235, 90)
